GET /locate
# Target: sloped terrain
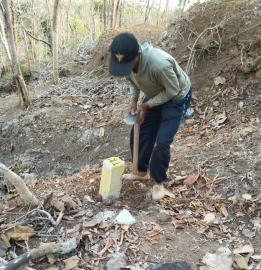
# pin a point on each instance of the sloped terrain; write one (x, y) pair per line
(58, 146)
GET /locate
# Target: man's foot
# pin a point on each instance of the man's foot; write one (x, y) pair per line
(158, 192)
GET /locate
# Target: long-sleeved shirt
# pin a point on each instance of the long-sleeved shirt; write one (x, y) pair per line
(159, 77)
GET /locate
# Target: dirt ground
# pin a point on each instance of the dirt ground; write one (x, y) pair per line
(59, 144)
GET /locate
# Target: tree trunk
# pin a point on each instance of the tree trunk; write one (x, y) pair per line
(3, 40)
(121, 12)
(165, 11)
(32, 41)
(111, 13)
(116, 13)
(55, 42)
(147, 11)
(104, 14)
(27, 52)
(18, 77)
(19, 184)
(67, 21)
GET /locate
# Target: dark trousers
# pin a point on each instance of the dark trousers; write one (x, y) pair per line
(156, 134)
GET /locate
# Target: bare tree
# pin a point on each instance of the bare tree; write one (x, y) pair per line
(112, 2)
(165, 11)
(18, 77)
(105, 14)
(67, 20)
(121, 12)
(55, 42)
(3, 40)
(27, 52)
(149, 6)
(183, 4)
(116, 12)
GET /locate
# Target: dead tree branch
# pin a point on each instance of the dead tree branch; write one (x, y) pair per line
(17, 181)
(44, 249)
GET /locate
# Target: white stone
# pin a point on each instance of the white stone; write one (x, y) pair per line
(125, 218)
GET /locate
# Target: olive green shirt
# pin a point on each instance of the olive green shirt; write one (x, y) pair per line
(159, 77)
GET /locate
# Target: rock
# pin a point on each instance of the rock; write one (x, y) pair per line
(28, 176)
(89, 135)
(246, 131)
(219, 80)
(241, 262)
(125, 217)
(210, 218)
(164, 216)
(222, 259)
(241, 104)
(183, 173)
(189, 112)
(116, 262)
(258, 74)
(216, 103)
(179, 265)
(244, 249)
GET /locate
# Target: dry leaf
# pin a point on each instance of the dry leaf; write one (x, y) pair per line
(244, 249)
(150, 236)
(19, 233)
(191, 179)
(169, 194)
(241, 262)
(248, 233)
(219, 119)
(51, 258)
(125, 227)
(59, 205)
(224, 211)
(69, 202)
(97, 219)
(219, 80)
(71, 262)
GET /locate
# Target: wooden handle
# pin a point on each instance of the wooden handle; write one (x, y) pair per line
(136, 147)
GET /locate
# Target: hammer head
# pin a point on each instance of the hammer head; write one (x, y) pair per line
(130, 119)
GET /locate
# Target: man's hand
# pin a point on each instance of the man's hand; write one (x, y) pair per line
(143, 111)
(134, 106)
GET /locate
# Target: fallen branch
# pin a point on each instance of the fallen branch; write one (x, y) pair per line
(54, 223)
(19, 184)
(44, 249)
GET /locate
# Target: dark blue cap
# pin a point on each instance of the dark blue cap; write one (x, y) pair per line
(124, 49)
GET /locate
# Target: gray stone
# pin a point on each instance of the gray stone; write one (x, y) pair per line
(89, 135)
(117, 261)
(28, 176)
(179, 265)
(164, 216)
(216, 103)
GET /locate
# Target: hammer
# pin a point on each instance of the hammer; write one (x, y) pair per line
(132, 119)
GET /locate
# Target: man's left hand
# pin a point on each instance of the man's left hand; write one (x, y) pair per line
(143, 111)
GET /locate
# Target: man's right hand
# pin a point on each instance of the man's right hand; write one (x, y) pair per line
(134, 106)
